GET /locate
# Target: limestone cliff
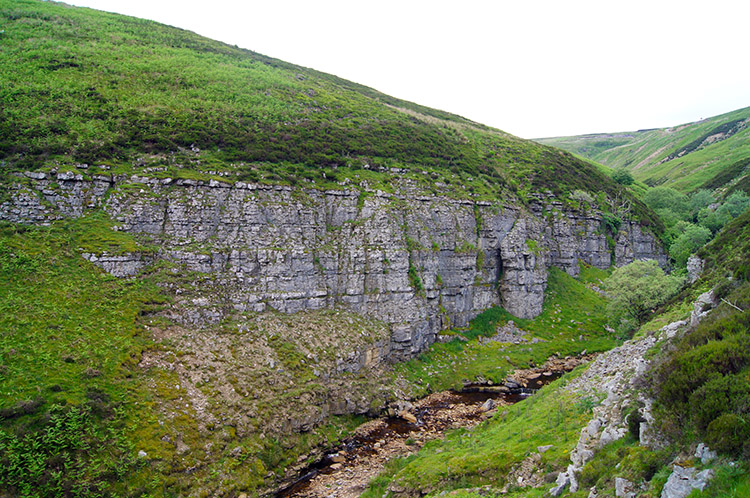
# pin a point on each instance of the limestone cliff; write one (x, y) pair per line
(419, 262)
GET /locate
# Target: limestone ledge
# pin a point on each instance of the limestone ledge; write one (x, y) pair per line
(418, 262)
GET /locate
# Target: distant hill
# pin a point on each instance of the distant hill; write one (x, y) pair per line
(711, 153)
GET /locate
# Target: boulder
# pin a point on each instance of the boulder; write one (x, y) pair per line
(704, 453)
(563, 481)
(624, 488)
(488, 405)
(684, 480)
(409, 417)
(704, 301)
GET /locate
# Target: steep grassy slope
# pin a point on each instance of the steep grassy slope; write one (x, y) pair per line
(685, 157)
(81, 86)
(70, 339)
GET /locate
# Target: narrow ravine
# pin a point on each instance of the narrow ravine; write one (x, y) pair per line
(345, 471)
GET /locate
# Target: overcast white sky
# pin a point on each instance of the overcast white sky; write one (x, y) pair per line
(534, 68)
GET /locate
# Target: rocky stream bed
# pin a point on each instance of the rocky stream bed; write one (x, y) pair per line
(346, 470)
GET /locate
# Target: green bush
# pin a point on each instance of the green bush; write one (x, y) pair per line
(721, 394)
(610, 224)
(691, 238)
(622, 176)
(690, 370)
(730, 434)
(667, 198)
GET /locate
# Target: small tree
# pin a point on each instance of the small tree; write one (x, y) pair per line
(667, 198)
(635, 290)
(699, 200)
(733, 206)
(691, 238)
(622, 176)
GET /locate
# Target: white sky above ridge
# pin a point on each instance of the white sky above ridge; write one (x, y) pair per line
(532, 68)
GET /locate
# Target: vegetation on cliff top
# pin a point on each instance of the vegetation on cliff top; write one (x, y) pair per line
(85, 87)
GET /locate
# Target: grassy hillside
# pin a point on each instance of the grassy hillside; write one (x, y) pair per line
(82, 86)
(686, 157)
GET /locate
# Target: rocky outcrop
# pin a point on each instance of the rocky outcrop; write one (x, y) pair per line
(694, 268)
(419, 262)
(121, 265)
(684, 480)
(617, 378)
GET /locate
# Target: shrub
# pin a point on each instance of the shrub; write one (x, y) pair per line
(692, 238)
(690, 370)
(699, 200)
(622, 176)
(610, 224)
(667, 198)
(729, 434)
(733, 206)
(719, 395)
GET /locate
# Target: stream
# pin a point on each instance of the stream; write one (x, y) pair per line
(346, 470)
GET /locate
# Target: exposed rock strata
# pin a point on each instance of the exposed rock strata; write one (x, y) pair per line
(418, 262)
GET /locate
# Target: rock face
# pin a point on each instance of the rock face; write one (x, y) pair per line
(704, 453)
(694, 268)
(418, 262)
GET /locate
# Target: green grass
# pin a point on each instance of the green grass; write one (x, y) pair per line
(67, 325)
(731, 481)
(70, 339)
(485, 455)
(630, 461)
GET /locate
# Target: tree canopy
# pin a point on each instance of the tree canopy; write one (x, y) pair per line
(635, 290)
